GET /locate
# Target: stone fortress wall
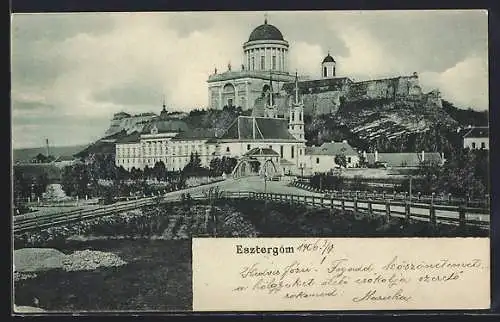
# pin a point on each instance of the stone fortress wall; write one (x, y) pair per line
(130, 123)
(324, 96)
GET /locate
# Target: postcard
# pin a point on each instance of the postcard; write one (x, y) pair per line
(250, 161)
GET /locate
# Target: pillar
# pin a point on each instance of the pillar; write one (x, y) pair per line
(247, 94)
(220, 98)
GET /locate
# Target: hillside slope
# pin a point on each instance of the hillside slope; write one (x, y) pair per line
(387, 125)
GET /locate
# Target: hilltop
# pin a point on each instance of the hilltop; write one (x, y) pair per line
(27, 154)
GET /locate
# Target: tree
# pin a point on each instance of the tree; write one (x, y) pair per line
(363, 163)
(75, 180)
(465, 173)
(341, 160)
(147, 172)
(135, 174)
(159, 170)
(21, 185)
(229, 164)
(40, 184)
(122, 174)
(215, 166)
(194, 166)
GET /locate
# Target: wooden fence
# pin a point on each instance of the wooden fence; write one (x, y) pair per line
(433, 213)
(447, 199)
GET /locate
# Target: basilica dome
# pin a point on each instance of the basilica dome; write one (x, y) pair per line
(266, 32)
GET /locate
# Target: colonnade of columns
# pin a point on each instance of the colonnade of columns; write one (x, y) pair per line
(273, 58)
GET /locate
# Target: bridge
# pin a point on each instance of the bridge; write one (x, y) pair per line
(253, 188)
(258, 161)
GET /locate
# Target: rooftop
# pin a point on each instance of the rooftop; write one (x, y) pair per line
(261, 151)
(331, 148)
(258, 128)
(266, 32)
(166, 126)
(133, 137)
(196, 134)
(411, 159)
(478, 132)
(265, 75)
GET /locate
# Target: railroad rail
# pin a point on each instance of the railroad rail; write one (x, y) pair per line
(455, 215)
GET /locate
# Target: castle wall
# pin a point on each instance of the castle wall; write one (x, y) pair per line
(129, 124)
(322, 103)
(389, 88)
(433, 98)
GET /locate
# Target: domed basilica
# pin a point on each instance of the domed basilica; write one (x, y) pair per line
(265, 64)
(264, 71)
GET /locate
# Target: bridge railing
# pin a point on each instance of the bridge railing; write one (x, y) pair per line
(433, 213)
(448, 199)
(430, 212)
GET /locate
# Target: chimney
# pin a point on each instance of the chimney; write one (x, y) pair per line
(47, 147)
(376, 156)
(423, 156)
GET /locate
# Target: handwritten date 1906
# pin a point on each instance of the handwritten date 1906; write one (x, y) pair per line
(323, 246)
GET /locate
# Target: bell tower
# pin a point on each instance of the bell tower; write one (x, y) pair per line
(328, 67)
(296, 117)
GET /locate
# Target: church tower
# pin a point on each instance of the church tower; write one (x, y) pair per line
(271, 110)
(164, 113)
(296, 119)
(328, 67)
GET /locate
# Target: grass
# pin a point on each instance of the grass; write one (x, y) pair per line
(156, 278)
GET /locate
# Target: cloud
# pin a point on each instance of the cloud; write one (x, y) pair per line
(307, 58)
(465, 84)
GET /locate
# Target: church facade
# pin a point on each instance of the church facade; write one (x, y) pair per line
(265, 61)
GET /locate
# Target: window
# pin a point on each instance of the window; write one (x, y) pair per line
(473, 145)
(293, 117)
(292, 152)
(253, 63)
(274, 62)
(281, 151)
(348, 159)
(270, 146)
(262, 62)
(300, 116)
(483, 145)
(227, 149)
(300, 151)
(324, 71)
(248, 146)
(317, 160)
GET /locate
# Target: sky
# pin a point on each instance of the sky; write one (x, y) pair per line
(70, 72)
